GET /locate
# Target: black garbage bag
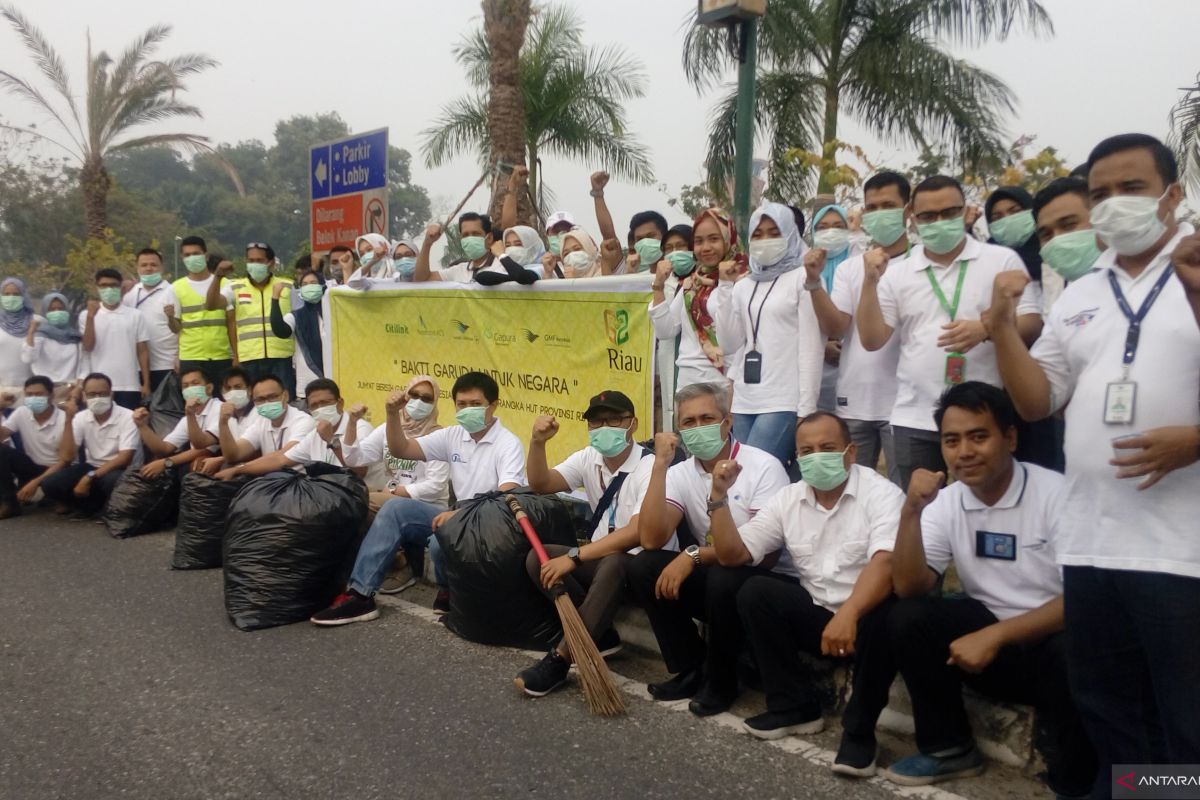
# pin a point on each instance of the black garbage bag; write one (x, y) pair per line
(492, 600)
(140, 505)
(166, 405)
(289, 544)
(203, 503)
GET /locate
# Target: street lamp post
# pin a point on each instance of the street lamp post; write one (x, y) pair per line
(175, 269)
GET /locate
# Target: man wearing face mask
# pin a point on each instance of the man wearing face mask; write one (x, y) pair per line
(1121, 355)
(483, 455)
(40, 426)
(259, 351)
(676, 588)
(276, 426)
(1068, 243)
(207, 339)
(613, 472)
(194, 437)
(115, 339)
(838, 524)
(235, 410)
(159, 306)
(109, 439)
(935, 301)
(831, 248)
(475, 232)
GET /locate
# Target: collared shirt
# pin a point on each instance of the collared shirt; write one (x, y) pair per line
(312, 449)
(163, 342)
(118, 333)
(914, 313)
(463, 272)
(267, 438)
(955, 527)
(866, 384)
(477, 467)
(586, 469)
(58, 361)
(39, 440)
(209, 417)
(427, 481)
(13, 368)
(1108, 522)
(829, 547)
(762, 476)
(102, 441)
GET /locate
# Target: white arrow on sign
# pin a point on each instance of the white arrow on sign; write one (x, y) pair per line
(320, 173)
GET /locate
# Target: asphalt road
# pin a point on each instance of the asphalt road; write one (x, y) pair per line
(122, 679)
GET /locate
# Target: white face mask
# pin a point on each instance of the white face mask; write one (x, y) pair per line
(520, 254)
(240, 398)
(767, 252)
(328, 414)
(99, 405)
(418, 409)
(579, 260)
(1129, 224)
(832, 240)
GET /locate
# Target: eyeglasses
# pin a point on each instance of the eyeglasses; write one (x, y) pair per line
(428, 398)
(258, 246)
(621, 422)
(925, 217)
(269, 398)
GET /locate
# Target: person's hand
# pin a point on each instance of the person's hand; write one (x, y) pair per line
(277, 291)
(227, 411)
(34, 324)
(840, 634)
(833, 352)
(169, 310)
(227, 474)
(962, 335)
(544, 428)
(1007, 288)
(518, 178)
(433, 232)
(973, 652)
(729, 272)
(1187, 262)
(84, 487)
(714, 353)
(875, 261)
(1156, 452)
(662, 271)
(325, 430)
(633, 262)
(549, 261)
(814, 263)
(153, 469)
(224, 269)
(671, 578)
(665, 445)
(854, 219)
(7, 400)
(396, 401)
(26, 493)
(971, 215)
(611, 253)
(141, 417)
(599, 181)
(554, 570)
(358, 411)
(237, 362)
(724, 475)
(442, 518)
(923, 487)
(498, 249)
(92, 307)
(194, 406)
(209, 466)
(145, 391)
(70, 406)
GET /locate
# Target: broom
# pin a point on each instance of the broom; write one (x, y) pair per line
(601, 695)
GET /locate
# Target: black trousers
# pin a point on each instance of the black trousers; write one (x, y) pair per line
(920, 632)
(60, 487)
(214, 371)
(16, 469)
(281, 368)
(130, 400)
(157, 376)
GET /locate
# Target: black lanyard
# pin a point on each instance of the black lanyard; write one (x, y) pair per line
(1135, 320)
(756, 322)
(141, 299)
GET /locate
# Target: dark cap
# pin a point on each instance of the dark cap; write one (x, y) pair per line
(609, 401)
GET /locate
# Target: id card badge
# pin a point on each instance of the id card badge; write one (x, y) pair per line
(956, 368)
(1002, 546)
(1119, 401)
(752, 367)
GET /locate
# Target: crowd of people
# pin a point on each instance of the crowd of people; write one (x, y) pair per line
(860, 413)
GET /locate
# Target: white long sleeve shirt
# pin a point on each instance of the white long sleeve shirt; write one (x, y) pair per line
(670, 320)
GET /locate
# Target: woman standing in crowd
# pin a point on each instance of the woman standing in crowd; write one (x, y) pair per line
(306, 321)
(831, 234)
(16, 317)
(404, 259)
(770, 319)
(580, 257)
(374, 258)
(52, 347)
(518, 258)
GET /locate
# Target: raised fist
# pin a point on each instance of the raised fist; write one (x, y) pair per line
(923, 487)
(433, 232)
(599, 180)
(544, 428)
(724, 475)
(665, 446)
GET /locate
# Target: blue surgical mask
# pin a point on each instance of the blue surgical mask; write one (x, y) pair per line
(36, 403)
(555, 242)
(58, 318)
(271, 411)
(406, 266)
(1013, 230)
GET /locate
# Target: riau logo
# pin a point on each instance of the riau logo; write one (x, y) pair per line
(616, 325)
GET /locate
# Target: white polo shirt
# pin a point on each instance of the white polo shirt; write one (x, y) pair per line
(58, 361)
(209, 418)
(762, 476)
(586, 469)
(866, 385)
(1017, 534)
(103, 441)
(312, 449)
(163, 342)
(477, 467)
(789, 339)
(1108, 522)
(828, 547)
(670, 320)
(267, 438)
(427, 481)
(912, 310)
(40, 440)
(118, 332)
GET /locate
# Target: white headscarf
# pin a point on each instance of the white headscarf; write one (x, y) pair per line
(382, 266)
(534, 249)
(793, 257)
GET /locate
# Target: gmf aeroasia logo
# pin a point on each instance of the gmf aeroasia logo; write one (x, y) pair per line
(616, 325)
(1156, 781)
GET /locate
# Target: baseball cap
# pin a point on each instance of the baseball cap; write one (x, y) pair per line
(609, 401)
(559, 217)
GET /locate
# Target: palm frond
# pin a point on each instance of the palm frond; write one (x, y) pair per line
(190, 142)
(39, 135)
(973, 22)
(460, 128)
(1185, 133)
(49, 62)
(29, 92)
(138, 52)
(788, 37)
(586, 138)
(473, 53)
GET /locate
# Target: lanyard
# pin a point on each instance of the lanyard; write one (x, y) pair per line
(1135, 320)
(950, 308)
(756, 322)
(141, 299)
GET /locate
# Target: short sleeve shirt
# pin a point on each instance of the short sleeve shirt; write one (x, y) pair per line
(477, 467)
(40, 440)
(102, 441)
(586, 469)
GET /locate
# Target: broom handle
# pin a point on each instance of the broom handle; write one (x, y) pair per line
(454, 213)
(527, 529)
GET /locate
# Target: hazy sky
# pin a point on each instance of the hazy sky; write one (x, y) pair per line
(1112, 66)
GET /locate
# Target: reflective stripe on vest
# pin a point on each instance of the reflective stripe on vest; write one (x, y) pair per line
(203, 336)
(252, 311)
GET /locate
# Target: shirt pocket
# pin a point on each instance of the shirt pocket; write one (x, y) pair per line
(803, 556)
(853, 553)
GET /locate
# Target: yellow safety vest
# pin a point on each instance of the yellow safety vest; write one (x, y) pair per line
(204, 336)
(252, 311)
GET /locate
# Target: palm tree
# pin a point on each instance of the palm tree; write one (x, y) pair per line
(505, 23)
(120, 95)
(1185, 133)
(880, 62)
(573, 99)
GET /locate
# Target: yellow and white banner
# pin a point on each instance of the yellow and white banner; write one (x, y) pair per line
(550, 347)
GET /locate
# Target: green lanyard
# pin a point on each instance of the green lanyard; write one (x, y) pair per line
(951, 309)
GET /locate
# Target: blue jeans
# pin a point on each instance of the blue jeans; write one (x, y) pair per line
(774, 432)
(401, 522)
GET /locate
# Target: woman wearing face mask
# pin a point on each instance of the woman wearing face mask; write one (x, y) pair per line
(1009, 215)
(580, 257)
(16, 317)
(306, 321)
(518, 258)
(688, 318)
(770, 319)
(404, 258)
(831, 242)
(374, 258)
(52, 346)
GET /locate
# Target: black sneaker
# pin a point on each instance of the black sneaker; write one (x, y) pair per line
(545, 676)
(681, 687)
(855, 758)
(778, 724)
(441, 603)
(610, 643)
(710, 701)
(345, 609)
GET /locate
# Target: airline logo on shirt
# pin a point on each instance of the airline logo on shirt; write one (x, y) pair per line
(1082, 318)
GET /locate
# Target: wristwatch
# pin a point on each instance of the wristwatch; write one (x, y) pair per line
(168, 463)
(694, 552)
(91, 476)
(336, 442)
(573, 554)
(597, 193)
(713, 505)
(812, 286)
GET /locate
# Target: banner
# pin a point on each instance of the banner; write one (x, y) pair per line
(550, 346)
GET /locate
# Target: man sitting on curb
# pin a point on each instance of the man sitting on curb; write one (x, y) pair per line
(40, 425)
(276, 426)
(192, 436)
(1004, 638)
(614, 472)
(838, 524)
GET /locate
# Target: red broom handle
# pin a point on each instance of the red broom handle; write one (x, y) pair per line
(527, 529)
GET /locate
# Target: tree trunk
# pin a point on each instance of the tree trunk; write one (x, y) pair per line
(95, 183)
(828, 137)
(504, 22)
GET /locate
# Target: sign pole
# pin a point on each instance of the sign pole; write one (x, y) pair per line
(744, 136)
